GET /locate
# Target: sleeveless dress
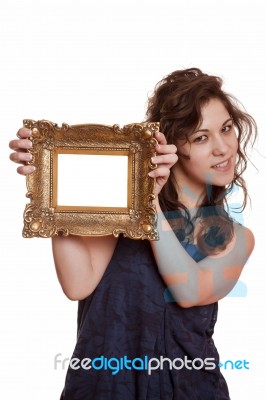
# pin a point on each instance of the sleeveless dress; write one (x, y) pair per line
(131, 315)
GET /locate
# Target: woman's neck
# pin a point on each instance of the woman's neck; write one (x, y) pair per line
(191, 194)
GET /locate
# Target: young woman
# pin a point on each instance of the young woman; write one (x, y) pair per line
(147, 310)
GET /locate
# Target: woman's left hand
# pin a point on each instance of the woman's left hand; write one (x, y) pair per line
(166, 157)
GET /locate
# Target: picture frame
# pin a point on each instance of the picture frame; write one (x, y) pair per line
(91, 180)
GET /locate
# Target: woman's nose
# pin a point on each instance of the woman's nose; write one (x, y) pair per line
(219, 145)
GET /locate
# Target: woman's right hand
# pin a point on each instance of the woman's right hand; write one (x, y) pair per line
(20, 154)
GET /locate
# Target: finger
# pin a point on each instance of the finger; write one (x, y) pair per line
(20, 144)
(169, 159)
(160, 138)
(26, 169)
(161, 172)
(23, 133)
(166, 148)
(20, 157)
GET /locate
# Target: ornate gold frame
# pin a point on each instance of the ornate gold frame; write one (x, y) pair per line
(43, 217)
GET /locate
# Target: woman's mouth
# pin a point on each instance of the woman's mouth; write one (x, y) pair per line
(223, 166)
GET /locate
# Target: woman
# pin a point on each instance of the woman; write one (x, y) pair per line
(147, 310)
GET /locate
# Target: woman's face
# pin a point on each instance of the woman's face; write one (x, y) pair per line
(212, 150)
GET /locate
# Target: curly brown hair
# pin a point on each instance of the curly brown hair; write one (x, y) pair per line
(176, 103)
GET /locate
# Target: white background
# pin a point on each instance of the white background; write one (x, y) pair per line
(106, 182)
(86, 61)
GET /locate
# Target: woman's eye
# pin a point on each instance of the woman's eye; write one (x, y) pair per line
(227, 128)
(201, 138)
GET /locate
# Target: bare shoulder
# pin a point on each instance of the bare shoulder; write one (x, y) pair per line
(249, 239)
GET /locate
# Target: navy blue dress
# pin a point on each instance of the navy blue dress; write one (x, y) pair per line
(130, 314)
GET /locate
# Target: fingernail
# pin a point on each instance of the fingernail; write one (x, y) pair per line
(150, 174)
(31, 168)
(29, 143)
(28, 156)
(28, 132)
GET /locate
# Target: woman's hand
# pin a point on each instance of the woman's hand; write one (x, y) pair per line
(21, 156)
(166, 157)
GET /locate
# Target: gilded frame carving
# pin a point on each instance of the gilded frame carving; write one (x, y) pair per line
(43, 217)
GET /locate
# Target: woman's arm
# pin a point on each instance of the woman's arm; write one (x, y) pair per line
(195, 284)
(80, 262)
